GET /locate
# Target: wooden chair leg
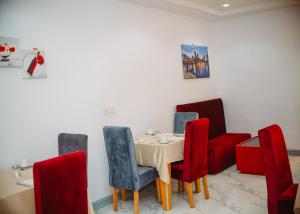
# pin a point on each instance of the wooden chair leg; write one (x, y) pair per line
(205, 187)
(115, 199)
(123, 195)
(190, 194)
(180, 189)
(197, 185)
(158, 190)
(136, 202)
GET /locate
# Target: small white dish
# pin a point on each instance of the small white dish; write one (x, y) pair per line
(163, 139)
(178, 135)
(25, 165)
(138, 141)
(164, 142)
(27, 183)
(150, 132)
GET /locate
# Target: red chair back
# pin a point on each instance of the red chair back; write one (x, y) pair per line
(60, 185)
(195, 150)
(277, 166)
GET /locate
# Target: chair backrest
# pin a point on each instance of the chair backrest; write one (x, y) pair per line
(195, 150)
(277, 166)
(60, 185)
(180, 120)
(123, 172)
(211, 109)
(68, 143)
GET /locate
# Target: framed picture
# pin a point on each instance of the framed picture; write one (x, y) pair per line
(33, 64)
(195, 61)
(9, 52)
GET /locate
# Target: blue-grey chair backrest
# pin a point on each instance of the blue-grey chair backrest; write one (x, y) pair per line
(180, 120)
(68, 143)
(123, 172)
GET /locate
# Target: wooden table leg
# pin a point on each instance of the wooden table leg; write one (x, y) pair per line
(166, 194)
(163, 194)
(170, 189)
(90, 205)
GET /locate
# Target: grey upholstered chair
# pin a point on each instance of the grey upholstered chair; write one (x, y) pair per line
(180, 120)
(124, 173)
(68, 143)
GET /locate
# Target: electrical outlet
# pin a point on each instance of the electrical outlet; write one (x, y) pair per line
(106, 111)
(112, 110)
(109, 111)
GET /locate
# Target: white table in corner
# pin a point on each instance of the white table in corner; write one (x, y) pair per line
(150, 152)
(16, 198)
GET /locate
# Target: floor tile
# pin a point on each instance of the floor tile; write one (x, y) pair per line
(230, 193)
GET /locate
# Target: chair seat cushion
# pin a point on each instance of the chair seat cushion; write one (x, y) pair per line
(177, 165)
(289, 193)
(147, 175)
(221, 151)
(228, 139)
(177, 170)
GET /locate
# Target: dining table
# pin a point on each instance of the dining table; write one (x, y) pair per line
(159, 151)
(17, 192)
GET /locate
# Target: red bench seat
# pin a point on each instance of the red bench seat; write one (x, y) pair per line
(221, 151)
(221, 145)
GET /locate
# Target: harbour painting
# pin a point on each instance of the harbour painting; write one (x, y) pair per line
(195, 61)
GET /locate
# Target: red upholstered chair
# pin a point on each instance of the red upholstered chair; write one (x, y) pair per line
(60, 185)
(281, 189)
(194, 166)
(221, 145)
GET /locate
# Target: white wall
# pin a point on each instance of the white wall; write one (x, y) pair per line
(99, 54)
(258, 61)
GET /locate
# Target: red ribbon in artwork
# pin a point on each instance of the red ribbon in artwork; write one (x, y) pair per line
(39, 59)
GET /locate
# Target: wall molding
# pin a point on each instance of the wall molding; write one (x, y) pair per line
(294, 152)
(102, 202)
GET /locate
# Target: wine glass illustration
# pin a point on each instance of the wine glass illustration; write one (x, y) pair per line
(5, 51)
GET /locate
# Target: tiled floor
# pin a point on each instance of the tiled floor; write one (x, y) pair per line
(230, 193)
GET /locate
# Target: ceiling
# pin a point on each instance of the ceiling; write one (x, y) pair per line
(212, 9)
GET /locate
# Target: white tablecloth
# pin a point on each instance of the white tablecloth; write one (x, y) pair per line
(149, 152)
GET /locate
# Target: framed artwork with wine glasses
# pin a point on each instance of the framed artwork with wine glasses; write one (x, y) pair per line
(30, 62)
(9, 52)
